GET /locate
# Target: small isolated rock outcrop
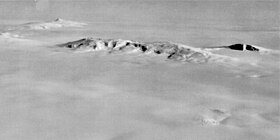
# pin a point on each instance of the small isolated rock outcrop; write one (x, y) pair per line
(243, 47)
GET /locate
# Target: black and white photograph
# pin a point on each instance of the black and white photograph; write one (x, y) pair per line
(139, 69)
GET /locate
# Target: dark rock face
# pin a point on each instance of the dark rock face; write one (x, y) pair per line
(143, 48)
(242, 47)
(236, 47)
(251, 48)
(80, 44)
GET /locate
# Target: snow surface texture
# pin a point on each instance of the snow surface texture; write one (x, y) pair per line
(49, 93)
(11, 37)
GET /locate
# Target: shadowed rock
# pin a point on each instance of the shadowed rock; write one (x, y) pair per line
(236, 47)
(243, 47)
(251, 48)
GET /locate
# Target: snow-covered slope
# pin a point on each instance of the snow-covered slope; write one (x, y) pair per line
(53, 24)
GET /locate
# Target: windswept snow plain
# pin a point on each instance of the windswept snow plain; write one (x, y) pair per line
(57, 85)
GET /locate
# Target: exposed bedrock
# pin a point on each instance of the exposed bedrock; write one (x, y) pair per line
(243, 47)
(172, 51)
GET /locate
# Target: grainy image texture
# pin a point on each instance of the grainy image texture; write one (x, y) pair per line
(139, 69)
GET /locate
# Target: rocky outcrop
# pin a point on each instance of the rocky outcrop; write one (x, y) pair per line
(172, 51)
(243, 47)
